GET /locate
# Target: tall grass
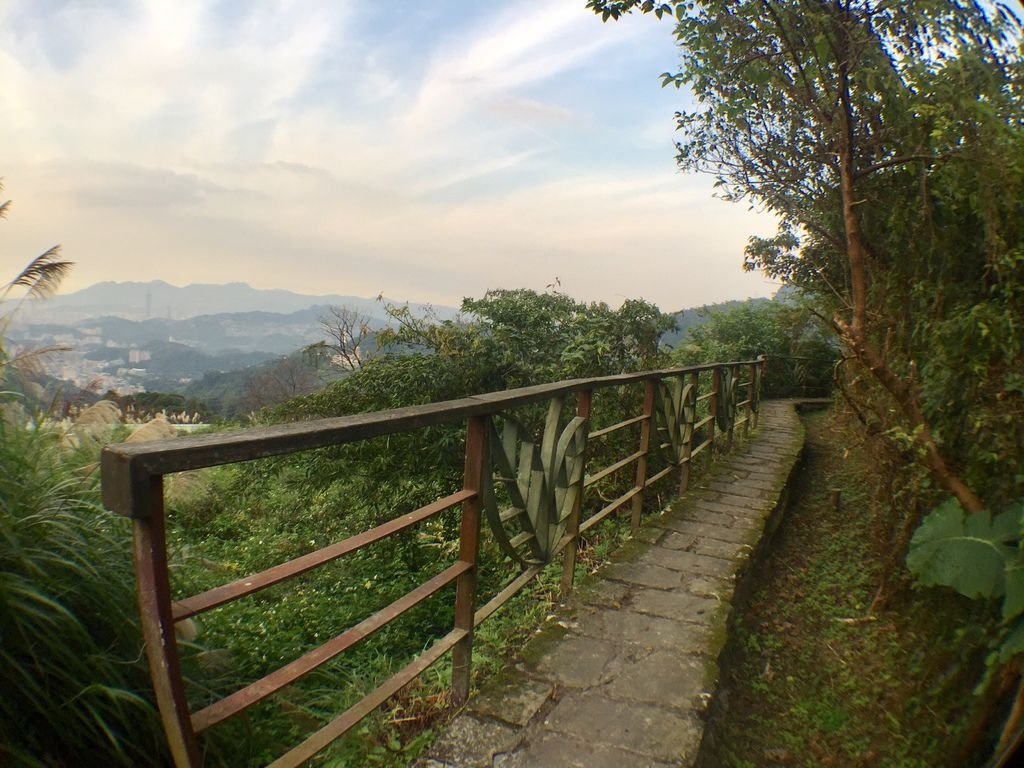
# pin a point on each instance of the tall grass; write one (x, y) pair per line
(73, 679)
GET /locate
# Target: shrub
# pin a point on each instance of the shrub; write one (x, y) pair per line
(75, 682)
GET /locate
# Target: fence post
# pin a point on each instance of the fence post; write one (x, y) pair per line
(149, 550)
(750, 401)
(687, 458)
(583, 402)
(733, 381)
(645, 446)
(469, 549)
(762, 365)
(716, 392)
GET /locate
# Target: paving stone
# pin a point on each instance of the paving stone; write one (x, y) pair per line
(649, 534)
(683, 532)
(719, 589)
(704, 514)
(556, 750)
(724, 550)
(735, 515)
(471, 743)
(764, 475)
(755, 458)
(764, 484)
(643, 630)
(743, 505)
(649, 730)
(603, 592)
(644, 574)
(705, 545)
(767, 473)
(694, 515)
(679, 606)
(663, 679)
(577, 662)
(688, 562)
(738, 489)
(513, 699)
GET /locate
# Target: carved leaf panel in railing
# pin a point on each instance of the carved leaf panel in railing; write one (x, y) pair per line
(676, 406)
(542, 484)
(725, 404)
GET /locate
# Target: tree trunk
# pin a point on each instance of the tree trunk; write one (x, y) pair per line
(855, 333)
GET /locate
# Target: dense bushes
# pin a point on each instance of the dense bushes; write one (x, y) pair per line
(75, 685)
(801, 357)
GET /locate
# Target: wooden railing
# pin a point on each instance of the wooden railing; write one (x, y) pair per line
(542, 490)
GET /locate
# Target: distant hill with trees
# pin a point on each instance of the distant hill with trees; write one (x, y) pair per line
(688, 319)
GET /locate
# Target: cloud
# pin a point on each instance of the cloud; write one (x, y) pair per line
(340, 147)
(520, 46)
(484, 167)
(90, 185)
(528, 111)
(150, 76)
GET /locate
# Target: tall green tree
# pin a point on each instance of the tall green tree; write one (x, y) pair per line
(887, 138)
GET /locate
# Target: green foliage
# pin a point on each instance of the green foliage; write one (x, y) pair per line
(815, 666)
(980, 556)
(75, 688)
(508, 338)
(688, 318)
(801, 358)
(512, 338)
(75, 684)
(925, 100)
(973, 554)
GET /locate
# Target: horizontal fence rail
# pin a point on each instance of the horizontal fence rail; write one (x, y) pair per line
(529, 485)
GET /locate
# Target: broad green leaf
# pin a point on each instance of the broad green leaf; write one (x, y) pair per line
(968, 553)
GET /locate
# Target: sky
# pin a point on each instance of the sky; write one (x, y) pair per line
(424, 150)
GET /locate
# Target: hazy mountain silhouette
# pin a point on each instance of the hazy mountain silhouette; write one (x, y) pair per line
(159, 299)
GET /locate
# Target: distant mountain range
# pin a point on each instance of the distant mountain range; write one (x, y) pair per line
(218, 318)
(158, 299)
(201, 340)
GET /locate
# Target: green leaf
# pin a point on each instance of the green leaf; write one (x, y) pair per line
(968, 553)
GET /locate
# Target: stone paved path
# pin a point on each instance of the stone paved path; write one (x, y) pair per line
(624, 674)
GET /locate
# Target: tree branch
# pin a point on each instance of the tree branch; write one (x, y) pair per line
(894, 161)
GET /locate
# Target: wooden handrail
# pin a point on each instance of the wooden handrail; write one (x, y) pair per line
(132, 482)
(125, 466)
